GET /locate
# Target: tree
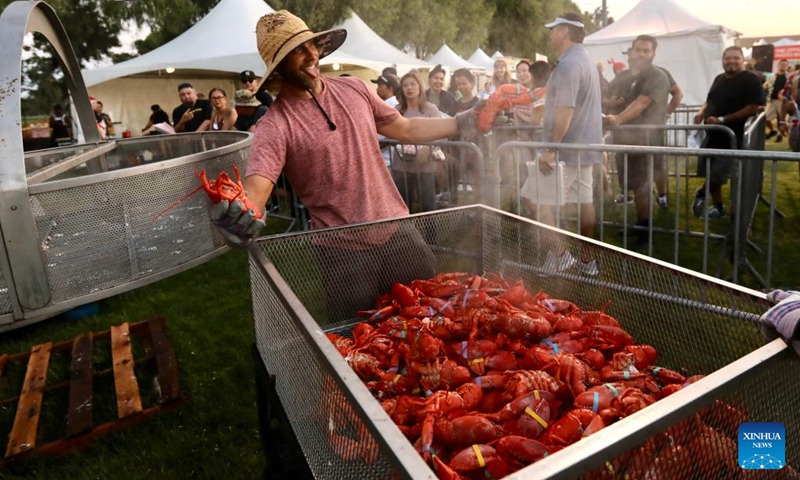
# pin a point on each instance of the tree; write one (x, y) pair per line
(93, 27)
(517, 28)
(415, 25)
(596, 20)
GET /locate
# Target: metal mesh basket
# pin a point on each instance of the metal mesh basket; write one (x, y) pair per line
(310, 283)
(96, 231)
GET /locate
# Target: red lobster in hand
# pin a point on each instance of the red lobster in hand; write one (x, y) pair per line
(223, 188)
(505, 97)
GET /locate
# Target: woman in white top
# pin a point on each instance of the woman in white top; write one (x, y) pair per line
(223, 117)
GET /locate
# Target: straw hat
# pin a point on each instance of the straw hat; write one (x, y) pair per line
(245, 98)
(280, 32)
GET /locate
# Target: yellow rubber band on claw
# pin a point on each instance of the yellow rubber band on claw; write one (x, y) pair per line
(536, 417)
(477, 450)
(536, 395)
(397, 378)
(477, 360)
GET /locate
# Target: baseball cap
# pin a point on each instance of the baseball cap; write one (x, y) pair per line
(247, 75)
(564, 21)
(387, 79)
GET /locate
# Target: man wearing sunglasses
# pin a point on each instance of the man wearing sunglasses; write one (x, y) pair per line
(251, 82)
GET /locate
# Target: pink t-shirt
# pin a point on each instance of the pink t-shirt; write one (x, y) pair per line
(339, 175)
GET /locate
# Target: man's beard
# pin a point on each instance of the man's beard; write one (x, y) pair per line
(297, 79)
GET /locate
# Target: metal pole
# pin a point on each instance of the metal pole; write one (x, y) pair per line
(604, 12)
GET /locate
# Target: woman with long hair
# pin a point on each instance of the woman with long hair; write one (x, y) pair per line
(501, 75)
(415, 172)
(223, 117)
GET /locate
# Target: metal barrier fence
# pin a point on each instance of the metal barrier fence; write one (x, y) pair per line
(435, 175)
(734, 236)
(684, 115)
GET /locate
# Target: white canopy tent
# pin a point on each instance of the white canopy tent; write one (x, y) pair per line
(497, 54)
(211, 54)
(689, 47)
(784, 42)
(446, 57)
(481, 59)
(364, 47)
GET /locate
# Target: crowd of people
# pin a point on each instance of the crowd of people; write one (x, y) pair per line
(572, 103)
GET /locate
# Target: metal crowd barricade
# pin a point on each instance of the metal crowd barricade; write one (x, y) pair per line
(456, 168)
(732, 237)
(672, 141)
(684, 115)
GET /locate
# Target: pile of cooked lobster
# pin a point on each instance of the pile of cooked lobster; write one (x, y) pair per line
(485, 378)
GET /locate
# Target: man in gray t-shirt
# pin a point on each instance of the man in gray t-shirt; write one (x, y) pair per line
(644, 93)
(572, 115)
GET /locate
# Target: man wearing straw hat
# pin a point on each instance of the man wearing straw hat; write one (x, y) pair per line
(321, 132)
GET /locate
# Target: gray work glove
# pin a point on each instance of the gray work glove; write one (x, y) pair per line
(237, 227)
(468, 121)
(784, 317)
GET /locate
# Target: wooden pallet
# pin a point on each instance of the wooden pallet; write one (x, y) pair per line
(79, 428)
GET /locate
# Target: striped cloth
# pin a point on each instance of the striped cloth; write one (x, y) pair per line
(785, 315)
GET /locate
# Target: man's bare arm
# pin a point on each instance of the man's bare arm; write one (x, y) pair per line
(634, 110)
(677, 96)
(742, 114)
(561, 123)
(258, 190)
(420, 129)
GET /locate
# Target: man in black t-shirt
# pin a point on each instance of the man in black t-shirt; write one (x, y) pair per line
(734, 96)
(643, 92)
(193, 114)
(158, 116)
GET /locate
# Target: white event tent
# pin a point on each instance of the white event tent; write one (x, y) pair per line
(211, 54)
(481, 59)
(689, 47)
(366, 48)
(449, 59)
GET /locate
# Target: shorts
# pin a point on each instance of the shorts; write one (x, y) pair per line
(773, 109)
(638, 169)
(575, 186)
(721, 169)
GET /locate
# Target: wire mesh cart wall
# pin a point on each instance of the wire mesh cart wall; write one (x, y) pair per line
(307, 284)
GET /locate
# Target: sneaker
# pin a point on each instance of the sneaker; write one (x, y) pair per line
(771, 134)
(663, 202)
(779, 139)
(588, 268)
(621, 198)
(554, 263)
(699, 203)
(715, 212)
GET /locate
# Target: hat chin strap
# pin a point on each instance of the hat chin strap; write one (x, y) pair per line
(331, 125)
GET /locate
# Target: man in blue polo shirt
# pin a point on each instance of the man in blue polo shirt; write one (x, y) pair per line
(572, 115)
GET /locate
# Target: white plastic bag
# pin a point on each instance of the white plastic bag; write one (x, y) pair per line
(696, 138)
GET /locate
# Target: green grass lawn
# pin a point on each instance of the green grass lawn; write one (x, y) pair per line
(215, 435)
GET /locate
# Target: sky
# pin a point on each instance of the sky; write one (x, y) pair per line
(749, 17)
